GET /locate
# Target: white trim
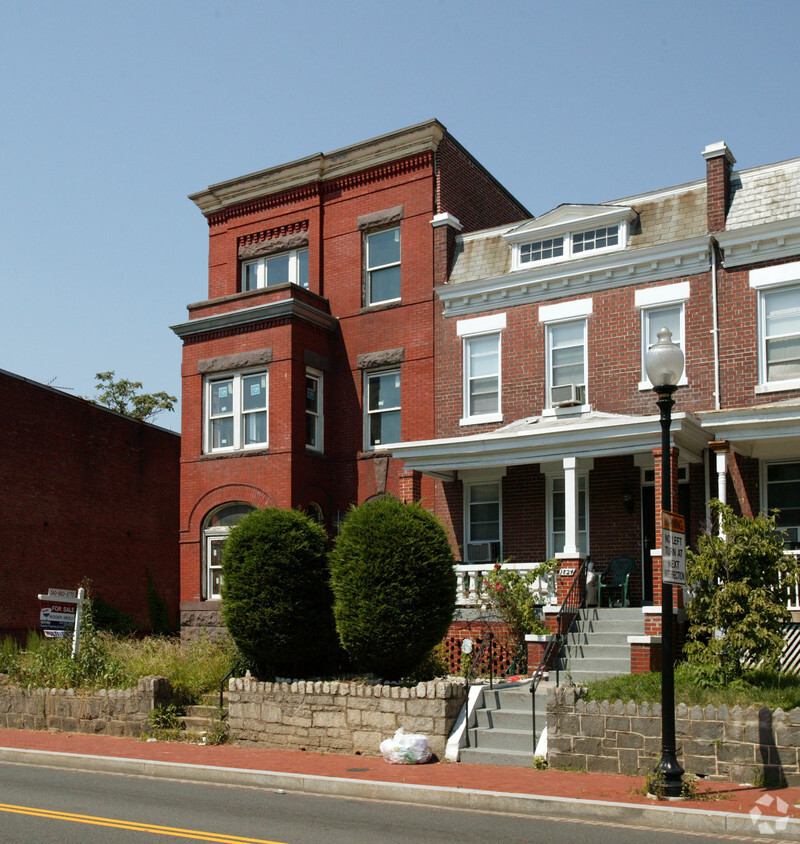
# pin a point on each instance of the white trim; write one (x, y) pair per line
(665, 294)
(646, 311)
(368, 414)
(777, 386)
(446, 219)
(480, 418)
(481, 325)
(562, 311)
(237, 414)
(319, 417)
(769, 276)
(467, 485)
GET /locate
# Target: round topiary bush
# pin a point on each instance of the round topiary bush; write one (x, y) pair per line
(276, 597)
(394, 586)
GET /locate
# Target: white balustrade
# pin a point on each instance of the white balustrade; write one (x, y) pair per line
(470, 575)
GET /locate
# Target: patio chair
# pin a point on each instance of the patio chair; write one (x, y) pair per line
(615, 577)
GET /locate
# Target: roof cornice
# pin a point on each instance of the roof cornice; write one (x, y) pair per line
(577, 277)
(291, 308)
(321, 166)
(767, 242)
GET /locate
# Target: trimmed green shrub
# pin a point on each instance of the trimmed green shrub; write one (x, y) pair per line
(394, 586)
(276, 599)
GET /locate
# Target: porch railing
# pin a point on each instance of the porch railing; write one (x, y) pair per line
(470, 575)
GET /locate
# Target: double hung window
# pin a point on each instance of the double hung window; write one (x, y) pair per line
(662, 307)
(236, 412)
(783, 494)
(778, 326)
(215, 532)
(383, 266)
(566, 362)
(570, 245)
(276, 269)
(482, 368)
(314, 410)
(482, 517)
(382, 408)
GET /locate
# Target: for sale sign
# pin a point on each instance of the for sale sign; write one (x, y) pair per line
(673, 548)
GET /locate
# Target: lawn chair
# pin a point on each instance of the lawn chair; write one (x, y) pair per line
(616, 576)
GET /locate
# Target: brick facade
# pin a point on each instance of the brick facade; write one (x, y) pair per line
(97, 498)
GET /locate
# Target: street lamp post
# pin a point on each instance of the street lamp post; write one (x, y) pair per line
(664, 363)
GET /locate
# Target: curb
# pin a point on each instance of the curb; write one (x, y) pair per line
(672, 818)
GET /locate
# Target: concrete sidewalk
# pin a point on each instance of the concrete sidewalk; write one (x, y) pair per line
(726, 809)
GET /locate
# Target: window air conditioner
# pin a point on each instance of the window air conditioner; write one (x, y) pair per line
(483, 552)
(566, 395)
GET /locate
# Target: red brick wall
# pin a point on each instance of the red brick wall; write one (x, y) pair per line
(86, 493)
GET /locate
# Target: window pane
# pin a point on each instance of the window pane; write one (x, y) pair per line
(483, 396)
(311, 430)
(222, 433)
(383, 248)
(302, 268)
(483, 356)
(484, 512)
(221, 397)
(784, 472)
(250, 276)
(255, 428)
(311, 394)
(659, 318)
(384, 391)
(783, 359)
(254, 392)
(782, 310)
(385, 427)
(384, 284)
(278, 270)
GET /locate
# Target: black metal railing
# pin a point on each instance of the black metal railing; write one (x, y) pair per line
(223, 713)
(564, 618)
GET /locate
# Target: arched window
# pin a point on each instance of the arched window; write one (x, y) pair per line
(216, 528)
(314, 511)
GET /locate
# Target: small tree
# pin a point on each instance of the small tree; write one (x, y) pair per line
(276, 600)
(394, 585)
(125, 397)
(740, 586)
(517, 599)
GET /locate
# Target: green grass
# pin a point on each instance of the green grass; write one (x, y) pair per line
(695, 688)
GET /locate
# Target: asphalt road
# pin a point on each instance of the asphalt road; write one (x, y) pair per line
(39, 804)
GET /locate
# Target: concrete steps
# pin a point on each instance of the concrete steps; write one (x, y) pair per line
(502, 732)
(597, 643)
(200, 717)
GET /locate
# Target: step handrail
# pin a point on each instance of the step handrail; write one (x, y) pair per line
(224, 715)
(564, 618)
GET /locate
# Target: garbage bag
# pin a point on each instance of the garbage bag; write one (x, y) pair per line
(406, 749)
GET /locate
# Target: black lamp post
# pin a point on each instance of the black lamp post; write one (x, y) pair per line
(664, 364)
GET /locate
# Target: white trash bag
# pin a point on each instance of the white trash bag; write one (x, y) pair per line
(411, 749)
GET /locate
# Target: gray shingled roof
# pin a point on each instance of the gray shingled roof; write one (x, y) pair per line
(760, 195)
(765, 195)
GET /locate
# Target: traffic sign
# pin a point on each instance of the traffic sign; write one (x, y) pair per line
(673, 548)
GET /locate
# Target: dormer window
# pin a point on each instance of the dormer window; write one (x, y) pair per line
(570, 231)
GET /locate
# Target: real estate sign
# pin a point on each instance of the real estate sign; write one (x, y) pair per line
(673, 548)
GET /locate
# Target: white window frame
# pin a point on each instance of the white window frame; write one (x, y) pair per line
(469, 330)
(766, 280)
(468, 486)
(768, 506)
(576, 311)
(651, 300)
(237, 414)
(368, 414)
(298, 274)
(215, 534)
(370, 269)
(582, 480)
(568, 244)
(317, 416)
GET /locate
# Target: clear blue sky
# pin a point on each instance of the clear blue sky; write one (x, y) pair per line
(112, 112)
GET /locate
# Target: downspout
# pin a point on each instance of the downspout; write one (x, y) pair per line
(712, 243)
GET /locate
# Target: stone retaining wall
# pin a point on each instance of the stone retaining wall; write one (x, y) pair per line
(734, 744)
(341, 717)
(113, 712)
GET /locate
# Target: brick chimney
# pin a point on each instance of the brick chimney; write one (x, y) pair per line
(719, 163)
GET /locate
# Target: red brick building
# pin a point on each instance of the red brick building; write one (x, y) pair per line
(96, 497)
(547, 433)
(314, 351)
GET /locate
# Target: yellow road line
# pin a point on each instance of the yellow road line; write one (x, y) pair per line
(133, 826)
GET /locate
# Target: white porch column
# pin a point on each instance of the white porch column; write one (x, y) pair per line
(721, 449)
(571, 543)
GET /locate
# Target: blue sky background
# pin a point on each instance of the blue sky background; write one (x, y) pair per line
(112, 112)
